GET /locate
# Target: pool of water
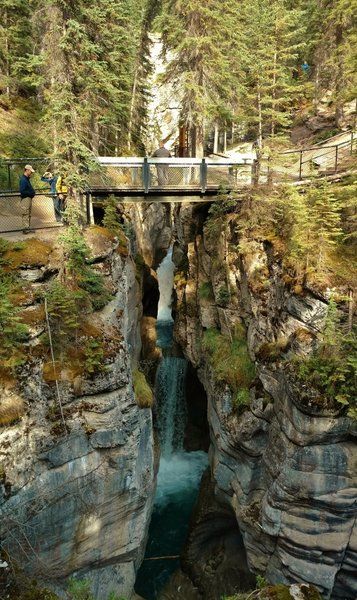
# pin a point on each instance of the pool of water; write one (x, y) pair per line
(177, 488)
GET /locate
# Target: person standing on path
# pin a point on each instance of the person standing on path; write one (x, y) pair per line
(27, 194)
(52, 180)
(62, 191)
(162, 170)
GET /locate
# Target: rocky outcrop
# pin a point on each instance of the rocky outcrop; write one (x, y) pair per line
(78, 502)
(286, 467)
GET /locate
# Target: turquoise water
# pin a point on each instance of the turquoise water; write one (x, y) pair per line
(178, 483)
(180, 472)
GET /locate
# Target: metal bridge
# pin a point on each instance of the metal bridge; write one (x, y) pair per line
(138, 179)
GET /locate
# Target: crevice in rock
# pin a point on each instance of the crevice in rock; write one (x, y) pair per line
(214, 556)
(197, 430)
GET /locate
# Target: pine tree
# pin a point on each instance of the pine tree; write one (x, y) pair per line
(272, 34)
(15, 45)
(199, 71)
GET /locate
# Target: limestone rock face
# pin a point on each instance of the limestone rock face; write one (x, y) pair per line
(79, 504)
(285, 468)
(152, 225)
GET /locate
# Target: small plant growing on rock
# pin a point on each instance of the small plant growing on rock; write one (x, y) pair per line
(223, 296)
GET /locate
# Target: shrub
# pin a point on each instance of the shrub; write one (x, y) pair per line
(79, 590)
(110, 219)
(143, 392)
(332, 368)
(230, 362)
(94, 356)
(223, 296)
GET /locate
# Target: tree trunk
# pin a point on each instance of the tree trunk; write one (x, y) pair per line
(216, 138)
(225, 140)
(132, 108)
(7, 59)
(260, 121)
(273, 104)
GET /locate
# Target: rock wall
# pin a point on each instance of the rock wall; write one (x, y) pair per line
(79, 504)
(285, 467)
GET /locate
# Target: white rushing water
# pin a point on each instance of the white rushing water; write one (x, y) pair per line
(165, 275)
(180, 472)
(171, 403)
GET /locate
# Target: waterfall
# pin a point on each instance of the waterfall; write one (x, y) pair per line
(171, 404)
(180, 472)
(165, 275)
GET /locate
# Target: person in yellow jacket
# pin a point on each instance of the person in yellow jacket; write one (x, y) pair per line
(61, 191)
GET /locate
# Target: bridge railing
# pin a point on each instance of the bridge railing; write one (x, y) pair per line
(150, 174)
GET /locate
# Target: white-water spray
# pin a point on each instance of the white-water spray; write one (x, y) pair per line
(165, 274)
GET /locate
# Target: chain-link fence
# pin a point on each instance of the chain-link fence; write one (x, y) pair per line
(17, 214)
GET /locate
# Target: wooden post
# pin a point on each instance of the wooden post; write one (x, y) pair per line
(336, 157)
(351, 143)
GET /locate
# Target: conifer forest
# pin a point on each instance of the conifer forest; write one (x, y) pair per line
(178, 284)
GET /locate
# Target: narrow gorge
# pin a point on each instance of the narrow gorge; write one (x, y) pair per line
(200, 334)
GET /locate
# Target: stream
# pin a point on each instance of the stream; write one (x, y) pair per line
(180, 471)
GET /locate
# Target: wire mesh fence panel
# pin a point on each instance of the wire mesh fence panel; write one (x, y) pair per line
(165, 176)
(16, 214)
(220, 175)
(113, 177)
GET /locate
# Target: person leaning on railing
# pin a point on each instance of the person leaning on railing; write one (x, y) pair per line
(27, 193)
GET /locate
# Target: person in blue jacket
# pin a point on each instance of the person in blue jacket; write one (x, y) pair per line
(27, 194)
(48, 177)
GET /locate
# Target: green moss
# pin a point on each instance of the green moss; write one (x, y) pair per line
(205, 291)
(142, 390)
(230, 362)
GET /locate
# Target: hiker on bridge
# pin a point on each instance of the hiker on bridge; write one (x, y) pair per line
(27, 194)
(162, 170)
(51, 179)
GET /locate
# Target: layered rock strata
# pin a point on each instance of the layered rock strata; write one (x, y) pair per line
(286, 467)
(79, 504)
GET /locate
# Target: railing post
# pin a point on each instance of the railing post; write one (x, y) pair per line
(146, 175)
(351, 142)
(203, 175)
(336, 157)
(300, 166)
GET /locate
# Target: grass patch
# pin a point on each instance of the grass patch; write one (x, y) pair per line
(143, 392)
(271, 351)
(230, 362)
(11, 410)
(205, 291)
(31, 253)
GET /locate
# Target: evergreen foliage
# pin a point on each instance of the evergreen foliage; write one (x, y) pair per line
(332, 368)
